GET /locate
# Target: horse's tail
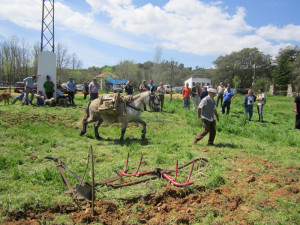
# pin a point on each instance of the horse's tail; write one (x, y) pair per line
(86, 115)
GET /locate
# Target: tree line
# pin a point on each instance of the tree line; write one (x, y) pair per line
(247, 68)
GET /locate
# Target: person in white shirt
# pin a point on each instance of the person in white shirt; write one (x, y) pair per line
(220, 91)
(29, 81)
(260, 103)
(206, 111)
(161, 91)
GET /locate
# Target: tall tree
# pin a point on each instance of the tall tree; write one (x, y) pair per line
(241, 64)
(283, 71)
(296, 74)
(126, 70)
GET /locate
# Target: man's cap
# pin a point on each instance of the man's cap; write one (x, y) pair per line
(212, 90)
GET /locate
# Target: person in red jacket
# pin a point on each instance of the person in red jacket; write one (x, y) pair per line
(186, 94)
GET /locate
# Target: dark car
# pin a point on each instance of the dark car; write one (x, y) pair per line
(35, 87)
(241, 91)
(19, 86)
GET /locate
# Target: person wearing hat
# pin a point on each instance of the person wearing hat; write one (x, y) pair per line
(49, 87)
(143, 87)
(206, 111)
(128, 88)
(196, 92)
(29, 81)
(94, 89)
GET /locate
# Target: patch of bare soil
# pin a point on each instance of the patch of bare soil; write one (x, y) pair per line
(17, 119)
(253, 184)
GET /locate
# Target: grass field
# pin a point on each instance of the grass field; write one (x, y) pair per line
(252, 176)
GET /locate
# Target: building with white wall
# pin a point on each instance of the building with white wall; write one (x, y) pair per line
(203, 81)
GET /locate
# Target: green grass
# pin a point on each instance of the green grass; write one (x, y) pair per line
(29, 133)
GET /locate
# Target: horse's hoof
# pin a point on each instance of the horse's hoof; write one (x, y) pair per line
(82, 133)
(99, 138)
(143, 137)
(121, 139)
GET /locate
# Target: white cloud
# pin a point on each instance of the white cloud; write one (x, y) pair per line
(25, 13)
(190, 26)
(289, 32)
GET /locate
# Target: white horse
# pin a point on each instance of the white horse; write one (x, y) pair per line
(133, 112)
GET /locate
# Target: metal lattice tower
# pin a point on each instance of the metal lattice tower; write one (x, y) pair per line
(47, 34)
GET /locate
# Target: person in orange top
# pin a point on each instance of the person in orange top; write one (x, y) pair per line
(186, 93)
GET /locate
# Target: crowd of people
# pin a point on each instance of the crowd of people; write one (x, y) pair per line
(202, 98)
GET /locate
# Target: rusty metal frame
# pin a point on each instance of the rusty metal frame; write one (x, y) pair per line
(157, 172)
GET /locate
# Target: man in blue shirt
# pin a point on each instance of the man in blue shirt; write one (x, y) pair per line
(248, 103)
(71, 88)
(29, 81)
(150, 85)
(204, 93)
(21, 98)
(228, 96)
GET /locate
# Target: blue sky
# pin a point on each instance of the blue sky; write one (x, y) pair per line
(192, 32)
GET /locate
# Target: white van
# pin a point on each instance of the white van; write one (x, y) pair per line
(168, 88)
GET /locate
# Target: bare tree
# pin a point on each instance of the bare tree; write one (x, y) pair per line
(156, 74)
(63, 61)
(35, 52)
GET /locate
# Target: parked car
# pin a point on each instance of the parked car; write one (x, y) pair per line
(3, 86)
(79, 87)
(117, 88)
(241, 91)
(168, 88)
(19, 86)
(178, 89)
(35, 88)
(63, 88)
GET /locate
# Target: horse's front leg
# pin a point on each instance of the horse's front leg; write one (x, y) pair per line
(83, 131)
(144, 127)
(124, 126)
(96, 126)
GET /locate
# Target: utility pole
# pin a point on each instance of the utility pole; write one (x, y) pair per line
(47, 34)
(254, 67)
(171, 83)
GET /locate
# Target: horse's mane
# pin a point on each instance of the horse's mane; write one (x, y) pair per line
(139, 97)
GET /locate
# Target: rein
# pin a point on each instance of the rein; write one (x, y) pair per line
(151, 103)
(131, 106)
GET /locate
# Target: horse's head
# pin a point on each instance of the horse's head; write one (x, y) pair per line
(147, 98)
(153, 101)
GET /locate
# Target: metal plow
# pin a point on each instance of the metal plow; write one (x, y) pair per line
(87, 189)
